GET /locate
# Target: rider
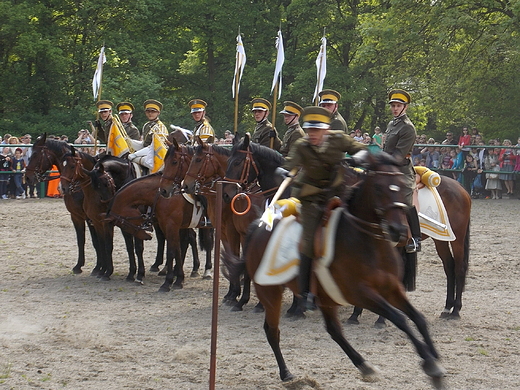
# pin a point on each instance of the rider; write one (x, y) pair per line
(319, 154)
(102, 129)
(126, 112)
(264, 133)
(291, 116)
(400, 139)
(202, 127)
(329, 100)
(152, 109)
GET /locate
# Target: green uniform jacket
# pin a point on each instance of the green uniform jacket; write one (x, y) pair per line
(293, 133)
(205, 131)
(338, 123)
(320, 164)
(132, 131)
(399, 142)
(102, 131)
(261, 135)
(158, 127)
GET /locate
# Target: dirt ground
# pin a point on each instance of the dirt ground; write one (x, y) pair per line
(65, 331)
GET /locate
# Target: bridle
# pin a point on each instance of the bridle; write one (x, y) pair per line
(380, 229)
(47, 157)
(184, 160)
(202, 182)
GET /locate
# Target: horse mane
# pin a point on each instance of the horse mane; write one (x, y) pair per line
(190, 149)
(140, 179)
(57, 146)
(218, 149)
(263, 152)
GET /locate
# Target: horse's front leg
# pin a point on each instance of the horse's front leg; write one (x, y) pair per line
(129, 243)
(168, 281)
(79, 227)
(159, 257)
(109, 246)
(139, 250)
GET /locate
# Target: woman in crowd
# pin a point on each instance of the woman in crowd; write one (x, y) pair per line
(507, 160)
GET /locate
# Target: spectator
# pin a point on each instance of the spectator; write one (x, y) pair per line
(469, 172)
(367, 140)
(358, 136)
(507, 160)
(457, 163)
(29, 185)
(5, 166)
(84, 135)
(377, 138)
(464, 141)
(5, 140)
(449, 139)
(64, 138)
(492, 181)
(52, 186)
(228, 137)
(13, 141)
(18, 167)
(474, 133)
(480, 158)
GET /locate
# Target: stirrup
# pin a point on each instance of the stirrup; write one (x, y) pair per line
(413, 245)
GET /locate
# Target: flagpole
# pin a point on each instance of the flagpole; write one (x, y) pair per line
(236, 105)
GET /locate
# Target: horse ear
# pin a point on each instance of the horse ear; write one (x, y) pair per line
(236, 139)
(247, 140)
(100, 168)
(73, 151)
(174, 143)
(199, 140)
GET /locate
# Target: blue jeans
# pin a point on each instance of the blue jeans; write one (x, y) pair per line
(18, 177)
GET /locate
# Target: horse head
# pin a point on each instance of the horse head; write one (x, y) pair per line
(45, 154)
(102, 182)
(207, 166)
(378, 204)
(176, 163)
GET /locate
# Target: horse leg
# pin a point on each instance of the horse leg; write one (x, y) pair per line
(353, 319)
(272, 295)
(169, 268)
(376, 303)
(333, 326)
(109, 246)
(159, 256)
(461, 257)
(191, 240)
(139, 250)
(448, 262)
(96, 242)
(179, 267)
(207, 242)
(79, 227)
(296, 310)
(129, 243)
(246, 294)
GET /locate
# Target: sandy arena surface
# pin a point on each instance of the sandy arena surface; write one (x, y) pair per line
(65, 331)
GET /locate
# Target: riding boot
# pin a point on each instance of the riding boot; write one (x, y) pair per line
(414, 244)
(304, 282)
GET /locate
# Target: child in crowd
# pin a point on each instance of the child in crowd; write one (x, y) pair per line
(18, 166)
(469, 172)
(492, 181)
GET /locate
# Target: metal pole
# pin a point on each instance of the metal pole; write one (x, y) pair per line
(216, 275)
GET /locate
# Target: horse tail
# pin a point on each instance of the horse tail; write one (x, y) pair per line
(206, 239)
(410, 270)
(466, 254)
(234, 267)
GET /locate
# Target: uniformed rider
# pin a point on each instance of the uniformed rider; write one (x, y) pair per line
(291, 116)
(319, 155)
(126, 112)
(329, 100)
(102, 127)
(203, 129)
(400, 137)
(264, 134)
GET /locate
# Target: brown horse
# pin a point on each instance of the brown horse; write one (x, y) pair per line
(457, 202)
(99, 186)
(45, 154)
(208, 166)
(366, 268)
(173, 215)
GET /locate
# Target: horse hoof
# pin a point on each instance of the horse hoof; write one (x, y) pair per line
(257, 309)
(368, 371)
(454, 316)
(177, 286)
(207, 275)
(130, 279)
(162, 272)
(139, 281)
(379, 325)
(164, 289)
(154, 268)
(433, 369)
(295, 316)
(445, 313)
(194, 274)
(438, 383)
(76, 271)
(353, 321)
(104, 278)
(237, 308)
(286, 376)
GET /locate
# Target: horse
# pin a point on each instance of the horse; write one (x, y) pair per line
(252, 169)
(45, 154)
(208, 166)
(365, 269)
(173, 215)
(457, 202)
(99, 186)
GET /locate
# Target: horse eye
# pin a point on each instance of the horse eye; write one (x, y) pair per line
(64, 163)
(394, 188)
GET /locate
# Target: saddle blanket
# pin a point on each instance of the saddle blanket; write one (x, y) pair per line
(433, 216)
(197, 210)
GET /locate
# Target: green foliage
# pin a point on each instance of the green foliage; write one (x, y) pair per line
(458, 59)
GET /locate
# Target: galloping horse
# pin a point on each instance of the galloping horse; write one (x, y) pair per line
(173, 215)
(99, 186)
(45, 154)
(365, 268)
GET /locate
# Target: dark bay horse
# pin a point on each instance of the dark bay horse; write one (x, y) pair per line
(99, 186)
(366, 268)
(208, 166)
(45, 154)
(173, 215)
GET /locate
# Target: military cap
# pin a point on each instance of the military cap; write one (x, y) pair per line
(104, 105)
(125, 108)
(197, 105)
(260, 104)
(291, 108)
(152, 104)
(399, 96)
(329, 96)
(316, 117)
